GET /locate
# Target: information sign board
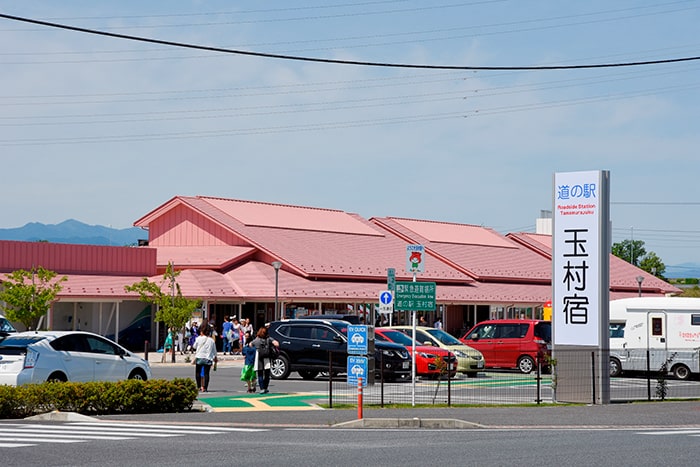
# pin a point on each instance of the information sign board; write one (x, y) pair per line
(357, 339)
(415, 296)
(357, 368)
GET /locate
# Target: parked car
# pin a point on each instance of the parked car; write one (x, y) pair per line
(469, 361)
(428, 357)
(6, 328)
(307, 346)
(39, 356)
(511, 343)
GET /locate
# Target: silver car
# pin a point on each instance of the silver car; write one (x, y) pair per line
(39, 356)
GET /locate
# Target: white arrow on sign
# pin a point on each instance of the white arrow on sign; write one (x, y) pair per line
(386, 297)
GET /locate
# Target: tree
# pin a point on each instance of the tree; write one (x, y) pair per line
(629, 250)
(173, 309)
(633, 251)
(653, 264)
(28, 295)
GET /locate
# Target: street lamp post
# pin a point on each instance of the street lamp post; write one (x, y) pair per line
(277, 265)
(640, 279)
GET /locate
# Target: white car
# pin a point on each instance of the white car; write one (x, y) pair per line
(39, 356)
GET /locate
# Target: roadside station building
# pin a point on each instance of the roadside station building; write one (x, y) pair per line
(331, 262)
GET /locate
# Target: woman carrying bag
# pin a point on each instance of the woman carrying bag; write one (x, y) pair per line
(266, 351)
(204, 357)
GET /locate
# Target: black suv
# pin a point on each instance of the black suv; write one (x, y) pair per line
(307, 345)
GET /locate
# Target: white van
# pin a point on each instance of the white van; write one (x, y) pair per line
(665, 328)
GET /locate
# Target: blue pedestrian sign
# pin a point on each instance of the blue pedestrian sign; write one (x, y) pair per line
(357, 368)
(357, 339)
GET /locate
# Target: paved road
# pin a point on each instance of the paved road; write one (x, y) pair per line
(109, 444)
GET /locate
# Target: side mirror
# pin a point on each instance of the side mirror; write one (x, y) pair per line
(474, 337)
(427, 343)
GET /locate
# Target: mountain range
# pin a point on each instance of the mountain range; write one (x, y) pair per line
(76, 232)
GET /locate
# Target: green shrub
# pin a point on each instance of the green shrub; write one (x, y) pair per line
(98, 397)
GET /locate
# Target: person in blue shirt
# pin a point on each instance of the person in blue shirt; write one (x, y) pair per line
(226, 335)
(248, 371)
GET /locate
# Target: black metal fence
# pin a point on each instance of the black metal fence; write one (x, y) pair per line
(568, 376)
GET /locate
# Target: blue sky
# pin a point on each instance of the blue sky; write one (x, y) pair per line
(104, 130)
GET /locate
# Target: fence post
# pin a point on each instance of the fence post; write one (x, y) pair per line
(145, 350)
(359, 398)
(330, 380)
(538, 377)
(449, 385)
(381, 378)
(593, 374)
(648, 376)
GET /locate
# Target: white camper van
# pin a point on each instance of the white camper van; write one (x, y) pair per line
(667, 329)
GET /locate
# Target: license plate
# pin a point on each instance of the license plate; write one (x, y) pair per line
(406, 364)
(480, 365)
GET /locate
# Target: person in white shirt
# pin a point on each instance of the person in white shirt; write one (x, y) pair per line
(204, 357)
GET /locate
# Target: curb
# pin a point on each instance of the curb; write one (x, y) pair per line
(440, 423)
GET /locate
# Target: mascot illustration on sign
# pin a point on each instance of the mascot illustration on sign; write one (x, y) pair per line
(415, 260)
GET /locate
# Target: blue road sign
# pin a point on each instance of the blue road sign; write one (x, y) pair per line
(357, 368)
(357, 339)
(385, 298)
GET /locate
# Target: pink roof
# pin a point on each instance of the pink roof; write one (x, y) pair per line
(102, 287)
(479, 251)
(210, 257)
(309, 241)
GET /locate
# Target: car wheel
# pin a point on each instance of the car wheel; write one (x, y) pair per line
(308, 374)
(138, 374)
(57, 377)
(526, 364)
(279, 368)
(615, 367)
(681, 372)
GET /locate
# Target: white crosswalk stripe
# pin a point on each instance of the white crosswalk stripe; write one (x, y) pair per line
(680, 431)
(18, 435)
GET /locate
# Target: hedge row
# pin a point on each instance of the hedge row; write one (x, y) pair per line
(98, 397)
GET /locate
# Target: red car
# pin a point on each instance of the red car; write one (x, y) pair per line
(511, 343)
(427, 356)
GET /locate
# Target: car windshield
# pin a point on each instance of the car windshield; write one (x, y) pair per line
(443, 337)
(340, 326)
(6, 326)
(398, 337)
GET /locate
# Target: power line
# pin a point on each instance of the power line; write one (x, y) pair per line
(346, 62)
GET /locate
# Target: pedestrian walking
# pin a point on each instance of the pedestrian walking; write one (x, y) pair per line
(204, 357)
(167, 345)
(226, 335)
(194, 333)
(237, 337)
(263, 345)
(248, 371)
